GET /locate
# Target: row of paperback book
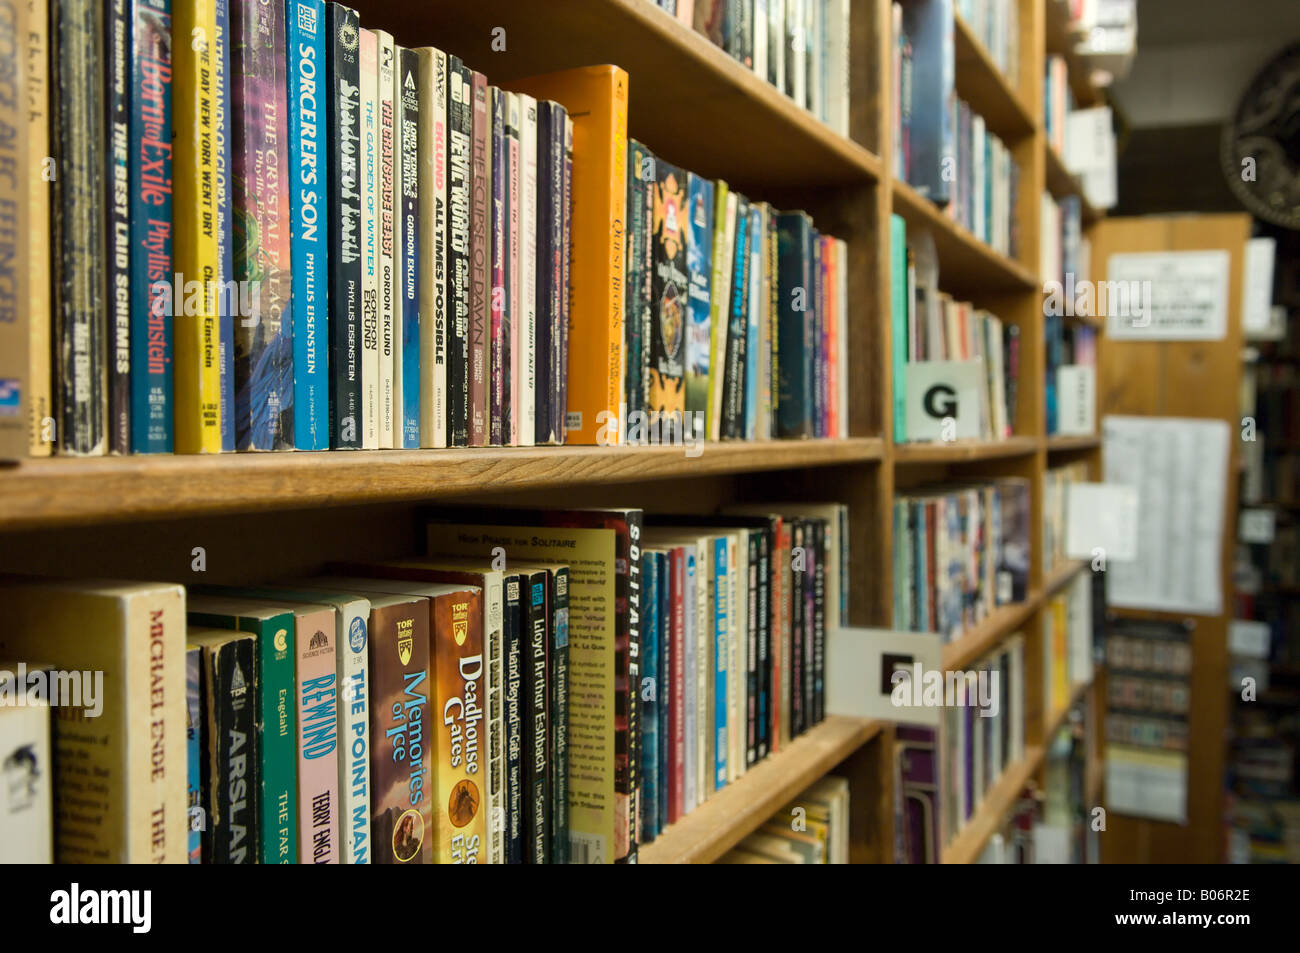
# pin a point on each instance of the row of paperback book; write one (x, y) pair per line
(799, 46)
(1067, 642)
(959, 553)
(735, 314)
(480, 704)
(1056, 489)
(296, 233)
(944, 773)
(1070, 382)
(996, 25)
(1064, 252)
(811, 829)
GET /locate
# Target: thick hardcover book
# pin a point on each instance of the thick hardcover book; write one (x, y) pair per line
(409, 247)
(653, 569)
(636, 295)
(699, 269)
(460, 128)
(550, 224)
(498, 320)
(26, 798)
(526, 386)
(260, 174)
(602, 738)
(276, 743)
(117, 212)
(595, 98)
(135, 811)
(309, 174)
(227, 307)
(733, 399)
(230, 834)
(343, 100)
(514, 291)
(389, 315)
(150, 182)
(795, 327)
(480, 256)
(435, 288)
(81, 260)
(536, 806)
(371, 397)
(669, 295)
(195, 745)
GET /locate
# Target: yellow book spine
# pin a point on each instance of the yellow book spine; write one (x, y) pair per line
(15, 247)
(36, 64)
(197, 367)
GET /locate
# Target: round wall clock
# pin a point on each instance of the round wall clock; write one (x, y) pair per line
(1261, 145)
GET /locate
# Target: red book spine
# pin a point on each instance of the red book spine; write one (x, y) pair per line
(677, 686)
(480, 263)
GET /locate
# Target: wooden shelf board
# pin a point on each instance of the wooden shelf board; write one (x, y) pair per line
(740, 808)
(1053, 724)
(1073, 442)
(959, 451)
(966, 846)
(966, 264)
(1062, 576)
(689, 102)
(977, 642)
(70, 490)
(1060, 182)
(982, 84)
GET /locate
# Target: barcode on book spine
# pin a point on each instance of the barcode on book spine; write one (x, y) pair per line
(586, 848)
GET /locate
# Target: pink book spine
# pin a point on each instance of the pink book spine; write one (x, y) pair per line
(318, 771)
(677, 697)
(516, 346)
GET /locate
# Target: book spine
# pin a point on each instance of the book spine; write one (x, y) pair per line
(724, 223)
(460, 127)
(699, 268)
(794, 393)
(798, 577)
(675, 682)
(493, 649)
(690, 681)
(260, 172)
(410, 248)
(434, 300)
(389, 313)
(498, 366)
(480, 257)
(514, 296)
(536, 807)
(753, 308)
(669, 292)
(544, 320)
(81, 279)
(751, 650)
(547, 431)
(819, 623)
(558, 735)
(526, 393)
(318, 756)
(639, 162)
(344, 217)
(663, 688)
(352, 663)
(225, 318)
(566, 265)
(512, 652)
(401, 808)
(649, 791)
(460, 690)
(117, 220)
(195, 745)
(765, 542)
(721, 625)
(309, 165)
(232, 726)
(733, 409)
(771, 375)
(371, 397)
(150, 185)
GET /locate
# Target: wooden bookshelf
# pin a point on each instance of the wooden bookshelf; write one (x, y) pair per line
(981, 639)
(965, 848)
(1062, 576)
(990, 94)
(1060, 182)
(962, 450)
(722, 821)
(1065, 442)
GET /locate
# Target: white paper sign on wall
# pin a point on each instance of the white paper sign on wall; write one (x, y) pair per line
(1256, 526)
(1101, 516)
(941, 390)
(1166, 296)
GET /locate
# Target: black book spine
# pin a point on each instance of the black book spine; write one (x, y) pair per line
(645, 277)
(230, 683)
(555, 422)
(766, 540)
(512, 637)
(460, 118)
(566, 260)
(798, 578)
(117, 89)
(819, 623)
(536, 808)
(817, 356)
(546, 253)
(79, 262)
(344, 116)
(558, 735)
(634, 391)
(751, 648)
(733, 408)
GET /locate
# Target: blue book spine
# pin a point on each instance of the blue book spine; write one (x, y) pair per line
(699, 268)
(651, 568)
(225, 226)
(150, 178)
(720, 623)
(409, 245)
(194, 750)
(757, 232)
(308, 211)
(795, 325)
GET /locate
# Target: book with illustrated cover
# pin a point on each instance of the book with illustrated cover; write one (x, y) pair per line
(371, 383)
(261, 231)
(343, 102)
(385, 212)
(669, 296)
(434, 284)
(699, 266)
(408, 381)
(305, 31)
(26, 797)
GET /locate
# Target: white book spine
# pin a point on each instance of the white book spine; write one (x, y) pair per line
(527, 391)
(354, 729)
(760, 37)
(389, 188)
(493, 626)
(369, 242)
(776, 42)
(26, 795)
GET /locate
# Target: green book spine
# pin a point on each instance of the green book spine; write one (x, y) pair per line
(898, 311)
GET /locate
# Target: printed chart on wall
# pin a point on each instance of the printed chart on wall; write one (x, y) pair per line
(1179, 467)
(1167, 296)
(1147, 693)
